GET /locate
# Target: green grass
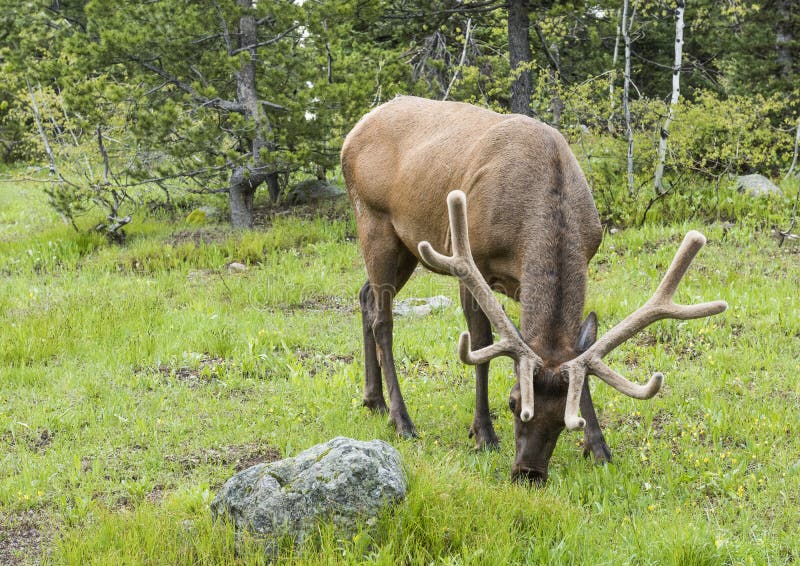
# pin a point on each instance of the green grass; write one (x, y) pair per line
(135, 379)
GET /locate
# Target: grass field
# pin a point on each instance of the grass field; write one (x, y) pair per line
(134, 380)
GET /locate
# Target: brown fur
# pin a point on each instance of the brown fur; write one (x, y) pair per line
(533, 228)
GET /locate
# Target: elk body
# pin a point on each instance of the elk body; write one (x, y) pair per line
(531, 231)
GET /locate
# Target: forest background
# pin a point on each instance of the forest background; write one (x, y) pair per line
(120, 105)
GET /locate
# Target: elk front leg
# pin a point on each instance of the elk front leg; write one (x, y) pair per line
(480, 330)
(593, 441)
(373, 389)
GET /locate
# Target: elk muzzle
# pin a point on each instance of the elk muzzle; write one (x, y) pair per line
(535, 439)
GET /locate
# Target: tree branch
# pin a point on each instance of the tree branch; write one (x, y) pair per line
(267, 42)
(477, 7)
(553, 61)
(38, 119)
(226, 105)
(461, 61)
(794, 159)
(104, 153)
(224, 26)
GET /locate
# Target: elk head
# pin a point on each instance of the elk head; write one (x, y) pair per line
(557, 388)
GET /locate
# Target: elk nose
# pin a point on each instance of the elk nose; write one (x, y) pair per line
(530, 475)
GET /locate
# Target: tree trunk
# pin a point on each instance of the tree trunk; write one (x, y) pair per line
(246, 179)
(613, 77)
(519, 49)
(784, 38)
(556, 104)
(242, 194)
(626, 36)
(676, 93)
(273, 186)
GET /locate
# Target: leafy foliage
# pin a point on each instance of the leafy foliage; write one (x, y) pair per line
(158, 80)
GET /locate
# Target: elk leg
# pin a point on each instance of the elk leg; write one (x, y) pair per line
(480, 330)
(373, 389)
(389, 266)
(593, 441)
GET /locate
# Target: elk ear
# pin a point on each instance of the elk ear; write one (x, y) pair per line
(588, 333)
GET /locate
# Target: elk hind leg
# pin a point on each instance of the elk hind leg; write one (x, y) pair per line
(388, 271)
(373, 388)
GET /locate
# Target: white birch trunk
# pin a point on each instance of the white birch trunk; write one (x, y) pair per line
(676, 93)
(613, 78)
(626, 36)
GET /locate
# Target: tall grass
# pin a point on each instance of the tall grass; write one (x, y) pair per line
(136, 379)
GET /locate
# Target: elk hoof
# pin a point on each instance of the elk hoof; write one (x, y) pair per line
(599, 449)
(404, 427)
(485, 438)
(377, 406)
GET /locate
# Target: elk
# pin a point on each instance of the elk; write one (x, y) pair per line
(522, 223)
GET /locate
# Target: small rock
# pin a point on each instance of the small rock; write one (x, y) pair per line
(212, 212)
(236, 267)
(343, 480)
(421, 306)
(757, 186)
(313, 190)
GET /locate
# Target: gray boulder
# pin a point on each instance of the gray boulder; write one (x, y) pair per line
(343, 480)
(757, 186)
(312, 191)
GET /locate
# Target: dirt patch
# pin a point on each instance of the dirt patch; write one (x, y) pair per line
(241, 456)
(207, 369)
(23, 537)
(331, 210)
(645, 339)
(318, 361)
(35, 440)
(324, 304)
(156, 494)
(198, 237)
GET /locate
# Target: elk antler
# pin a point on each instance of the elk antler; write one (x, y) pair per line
(462, 265)
(658, 307)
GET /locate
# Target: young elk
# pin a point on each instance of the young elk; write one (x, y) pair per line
(533, 228)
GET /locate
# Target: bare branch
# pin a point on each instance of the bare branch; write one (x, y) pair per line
(476, 7)
(38, 119)
(457, 73)
(106, 167)
(548, 53)
(224, 25)
(267, 42)
(794, 159)
(226, 105)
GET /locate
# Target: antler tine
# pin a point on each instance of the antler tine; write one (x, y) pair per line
(462, 265)
(658, 307)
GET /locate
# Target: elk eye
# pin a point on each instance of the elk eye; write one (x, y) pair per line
(512, 404)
